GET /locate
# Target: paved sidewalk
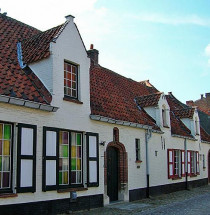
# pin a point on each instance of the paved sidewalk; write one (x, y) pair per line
(193, 202)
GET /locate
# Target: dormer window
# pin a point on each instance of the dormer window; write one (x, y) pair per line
(70, 80)
(164, 116)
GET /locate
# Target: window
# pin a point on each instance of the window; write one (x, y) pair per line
(176, 164)
(62, 159)
(70, 80)
(138, 150)
(5, 156)
(204, 162)
(193, 163)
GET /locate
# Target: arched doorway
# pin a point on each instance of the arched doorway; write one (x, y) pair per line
(112, 173)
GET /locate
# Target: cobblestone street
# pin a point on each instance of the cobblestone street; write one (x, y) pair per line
(196, 201)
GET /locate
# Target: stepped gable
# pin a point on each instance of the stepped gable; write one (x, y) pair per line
(13, 80)
(113, 96)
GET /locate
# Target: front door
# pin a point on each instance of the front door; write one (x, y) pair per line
(112, 173)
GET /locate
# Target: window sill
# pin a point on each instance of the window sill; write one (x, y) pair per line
(191, 176)
(73, 189)
(8, 195)
(72, 100)
(166, 126)
(138, 161)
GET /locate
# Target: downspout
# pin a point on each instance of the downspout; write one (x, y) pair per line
(148, 134)
(186, 166)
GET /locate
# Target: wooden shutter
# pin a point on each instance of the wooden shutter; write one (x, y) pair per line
(26, 158)
(170, 163)
(189, 164)
(92, 159)
(183, 162)
(197, 163)
(50, 159)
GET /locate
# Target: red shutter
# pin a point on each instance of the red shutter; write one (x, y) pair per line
(183, 162)
(170, 163)
(189, 162)
(197, 163)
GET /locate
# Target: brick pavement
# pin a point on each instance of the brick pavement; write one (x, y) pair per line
(187, 202)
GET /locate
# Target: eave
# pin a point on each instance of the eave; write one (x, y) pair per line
(27, 103)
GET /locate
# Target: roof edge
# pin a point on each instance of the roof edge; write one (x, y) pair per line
(119, 122)
(27, 103)
(180, 136)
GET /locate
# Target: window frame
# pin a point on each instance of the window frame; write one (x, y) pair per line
(9, 190)
(57, 186)
(172, 163)
(138, 149)
(26, 157)
(77, 80)
(193, 156)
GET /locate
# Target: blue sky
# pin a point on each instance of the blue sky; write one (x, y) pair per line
(164, 41)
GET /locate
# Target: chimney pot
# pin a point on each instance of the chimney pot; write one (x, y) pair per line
(201, 96)
(69, 18)
(91, 46)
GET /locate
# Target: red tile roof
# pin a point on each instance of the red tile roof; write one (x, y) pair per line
(148, 100)
(179, 110)
(204, 135)
(178, 127)
(37, 47)
(113, 96)
(13, 80)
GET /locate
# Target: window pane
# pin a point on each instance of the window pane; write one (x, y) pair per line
(7, 132)
(79, 177)
(73, 164)
(78, 164)
(73, 177)
(79, 139)
(26, 170)
(92, 171)
(1, 146)
(1, 131)
(6, 163)
(73, 151)
(51, 143)
(50, 172)
(27, 141)
(92, 146)
(6, 147)
(6, 177)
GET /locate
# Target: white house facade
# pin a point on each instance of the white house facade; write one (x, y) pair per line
(75, 135)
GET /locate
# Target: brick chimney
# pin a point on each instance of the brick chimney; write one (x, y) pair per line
(208, 99)
(190, 103)
(93, 55)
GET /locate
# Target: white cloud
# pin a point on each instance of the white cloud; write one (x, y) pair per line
(172, 19)
(207, 53)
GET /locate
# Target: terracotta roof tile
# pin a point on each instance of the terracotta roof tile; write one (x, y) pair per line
(148, 100)
(179, 110)
(13, 80)
(37, 47)
(113, 96)
(204, 135)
